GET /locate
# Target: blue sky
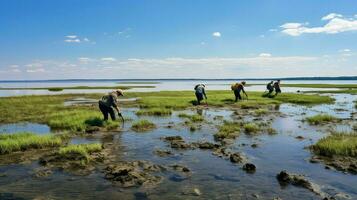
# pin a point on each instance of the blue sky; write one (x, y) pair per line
(41, 39)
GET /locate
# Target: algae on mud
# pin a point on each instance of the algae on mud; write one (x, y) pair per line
(229, 130)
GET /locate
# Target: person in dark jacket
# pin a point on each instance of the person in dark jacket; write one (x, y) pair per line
(270, 87)
(237, 88)
(200, 93)
(109, 103)
(277, 87)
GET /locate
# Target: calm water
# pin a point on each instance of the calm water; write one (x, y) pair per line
(163, 85)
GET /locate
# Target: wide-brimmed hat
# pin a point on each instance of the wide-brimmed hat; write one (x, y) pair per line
(119, 92)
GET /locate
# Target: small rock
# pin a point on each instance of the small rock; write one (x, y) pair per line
(236, 158)
(249, 167)
(300, 137)
(180, 168)
(254, 145)
(163, 153)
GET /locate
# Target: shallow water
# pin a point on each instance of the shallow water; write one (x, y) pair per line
(215, 177)
(163, 85)
(24, 127)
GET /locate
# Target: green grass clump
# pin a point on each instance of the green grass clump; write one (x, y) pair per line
(192, 118)
(143, 125)
(79, 120)
(155, 112)
(229, 130)
(261, 111)
(79, 151)
(24, 141)
(55, 89)
(320, 119)
(251, 128)
(342, 144)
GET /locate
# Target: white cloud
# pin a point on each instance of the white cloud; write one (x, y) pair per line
(331, 16)
(14, 66)
(216, 34)
(203, 43)
(265, 55)
(73, 40)
(86, 39)
(336, 24)
(345, 50)
(291, 25)
(36, 70)
(108, 59)
(71, 36)
(273, 30)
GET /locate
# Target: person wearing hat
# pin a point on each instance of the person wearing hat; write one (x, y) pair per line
(200, 93)
(237, 88)
(109, 102)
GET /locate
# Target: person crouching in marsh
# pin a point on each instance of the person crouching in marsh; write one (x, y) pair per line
(237, 88)
(200, 93)
(277, 87)
(270, 87)
(109, 102)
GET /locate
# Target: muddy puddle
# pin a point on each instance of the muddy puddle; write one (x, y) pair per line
(209, 176)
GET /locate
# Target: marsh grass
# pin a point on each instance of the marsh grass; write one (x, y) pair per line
(50, 109)
(143, 125)
(79, 120)
(55, 89)
(24, 141)
(193, 118)
(79, 151)
(320, 119)
(229, 130)
(251, 128)
(341, 144)
(155, 112)
(261, 111)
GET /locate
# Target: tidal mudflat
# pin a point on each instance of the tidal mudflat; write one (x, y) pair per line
(292, 146)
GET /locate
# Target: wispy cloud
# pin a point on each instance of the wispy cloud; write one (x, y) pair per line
(76, 39)
(71, 36)
(216, 34)
(336, 23)
(108, 59)
(265, 55)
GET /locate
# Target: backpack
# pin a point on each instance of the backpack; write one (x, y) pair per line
(234, 86)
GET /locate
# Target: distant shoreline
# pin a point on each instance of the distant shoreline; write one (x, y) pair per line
(190, 79)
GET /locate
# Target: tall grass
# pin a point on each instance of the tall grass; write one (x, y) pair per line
(320, 119)
(142, 125)
(23, 141)
(343, 144)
